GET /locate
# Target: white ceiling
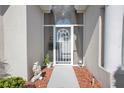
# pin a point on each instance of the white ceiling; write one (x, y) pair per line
(79, 8)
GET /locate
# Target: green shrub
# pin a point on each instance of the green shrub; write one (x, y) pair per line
(12, 82)
(46, 60)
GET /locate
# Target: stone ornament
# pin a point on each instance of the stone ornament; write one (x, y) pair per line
(37, 72)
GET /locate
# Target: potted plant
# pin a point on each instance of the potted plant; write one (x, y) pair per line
(47, 61)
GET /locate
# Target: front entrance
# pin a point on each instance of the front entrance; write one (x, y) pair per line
(63, 45)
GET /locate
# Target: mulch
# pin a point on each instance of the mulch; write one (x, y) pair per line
(85, 78)
(46, 73)
(46, 77)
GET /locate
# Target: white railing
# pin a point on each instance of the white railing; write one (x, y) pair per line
(63, 25)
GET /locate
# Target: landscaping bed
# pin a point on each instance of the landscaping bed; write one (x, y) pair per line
(46, 72)
(85, 78)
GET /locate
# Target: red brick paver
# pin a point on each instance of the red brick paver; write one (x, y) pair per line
(85, 78)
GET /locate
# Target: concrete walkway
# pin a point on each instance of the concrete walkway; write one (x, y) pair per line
(63, 77)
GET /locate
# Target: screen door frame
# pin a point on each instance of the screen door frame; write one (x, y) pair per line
(54, 43)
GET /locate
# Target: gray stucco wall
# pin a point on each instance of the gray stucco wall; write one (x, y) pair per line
(48, 43)
(78, 45)
(1, 38)
(15, 40)
(92, 46)
(35, 37)
(92, 59)
(3, 9)
(23, 39)
(123, 44)
(0, 9)
(91, 17)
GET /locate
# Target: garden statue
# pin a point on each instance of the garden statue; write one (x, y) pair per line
(80, 63)
(37, 72)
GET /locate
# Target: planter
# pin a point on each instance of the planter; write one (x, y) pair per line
(49, 65)
(29, 85)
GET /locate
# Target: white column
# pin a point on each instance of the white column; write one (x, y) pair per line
(123, 47)
(113, 37)
(1, 39)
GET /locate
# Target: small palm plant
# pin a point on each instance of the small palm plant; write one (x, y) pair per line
(46, 60)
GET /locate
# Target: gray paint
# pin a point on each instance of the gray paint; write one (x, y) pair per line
(123, 45)
(3, 9)
(78, 44)
(92, 59)
(102, 13)
(49, 19)
(113, 37)
(1, 39)
(35, 37)
(92, 46)
(23, 39)
(92, 14)
(15, 40)
(0, 9)
(48, 43)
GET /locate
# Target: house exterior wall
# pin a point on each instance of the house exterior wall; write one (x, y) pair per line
(23, 39)
(1, 39)
(92, 38)
(35, 37)
(123, 45)
(3, 9)
(15, 40)
(78, 45)
(91, 16)
(0, 9)
(113, 43)
(113, 37)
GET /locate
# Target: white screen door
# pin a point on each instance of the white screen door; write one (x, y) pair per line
(63, 45)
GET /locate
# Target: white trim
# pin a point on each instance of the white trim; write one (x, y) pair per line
(72, 33)
(80, 11)
(54, 41)
(63, 64)
(64, 25)
(54, 47)
(78, 65)
(84, 37)
(100, 41)
(100, 45)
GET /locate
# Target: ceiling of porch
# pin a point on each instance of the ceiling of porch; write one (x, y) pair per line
(78, 8)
